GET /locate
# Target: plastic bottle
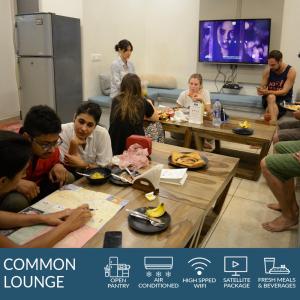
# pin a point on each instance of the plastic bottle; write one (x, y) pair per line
(217, 107)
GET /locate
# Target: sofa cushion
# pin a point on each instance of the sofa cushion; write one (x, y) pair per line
(238, 100)
(103, 101)
(160, 81)
(104, 84)
(173, 94)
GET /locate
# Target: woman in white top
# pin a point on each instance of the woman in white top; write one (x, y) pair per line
(196, 92)
(85, 144)
(121, 66)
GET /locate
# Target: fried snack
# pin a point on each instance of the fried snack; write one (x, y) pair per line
(163, 116)
(189, 160)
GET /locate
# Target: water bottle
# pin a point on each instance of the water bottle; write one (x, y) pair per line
(217, 107)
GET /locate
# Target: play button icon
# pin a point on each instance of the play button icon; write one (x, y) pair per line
(235, 264)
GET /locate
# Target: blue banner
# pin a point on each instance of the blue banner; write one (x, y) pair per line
(147, 273)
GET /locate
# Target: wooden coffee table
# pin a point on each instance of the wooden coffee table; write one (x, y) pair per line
(188, 205)
(249, 166)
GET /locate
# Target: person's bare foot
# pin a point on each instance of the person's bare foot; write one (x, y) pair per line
(280, 224)
(207, 145)
(274, 206)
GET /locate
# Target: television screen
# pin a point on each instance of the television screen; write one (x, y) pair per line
(234, 41)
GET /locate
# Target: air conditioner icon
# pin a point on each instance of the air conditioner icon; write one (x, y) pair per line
(158, 262)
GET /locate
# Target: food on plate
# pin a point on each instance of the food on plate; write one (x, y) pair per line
(166, 113)
(294, 107)
(189, 160)
(97, 175)
(156, 212)
(163, 116)
(245, 124)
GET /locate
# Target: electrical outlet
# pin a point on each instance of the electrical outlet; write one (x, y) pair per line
(96, 57)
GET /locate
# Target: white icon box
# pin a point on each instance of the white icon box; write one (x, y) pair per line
(235, 265)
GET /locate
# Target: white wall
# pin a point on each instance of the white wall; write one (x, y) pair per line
(172, 38)
(164, 35)
(9, 99)
(290, 42)
(68, 8)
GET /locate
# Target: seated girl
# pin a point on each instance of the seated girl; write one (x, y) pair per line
(196, 92)
(128, 111)
(15, 155)
(84, 143)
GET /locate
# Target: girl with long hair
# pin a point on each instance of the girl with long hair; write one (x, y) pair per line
(128, 111)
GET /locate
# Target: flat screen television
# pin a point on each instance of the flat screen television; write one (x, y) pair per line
(235, 41)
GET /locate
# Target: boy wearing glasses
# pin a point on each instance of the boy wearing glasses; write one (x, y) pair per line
(44, 173)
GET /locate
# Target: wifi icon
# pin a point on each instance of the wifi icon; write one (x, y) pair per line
(199, 264)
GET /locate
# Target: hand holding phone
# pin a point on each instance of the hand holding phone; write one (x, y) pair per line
(112, 239)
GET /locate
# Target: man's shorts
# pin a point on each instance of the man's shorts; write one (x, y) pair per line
(279, 99)
(289, 130)
(283, 164)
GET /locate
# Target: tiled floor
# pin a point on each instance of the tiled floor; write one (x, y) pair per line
(239, 223)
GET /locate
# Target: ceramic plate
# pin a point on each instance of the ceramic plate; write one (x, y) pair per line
(190, 168)
(144, 226)
(243, 131)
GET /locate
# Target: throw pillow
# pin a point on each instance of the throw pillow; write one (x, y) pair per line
(105, 84)
(160, 81)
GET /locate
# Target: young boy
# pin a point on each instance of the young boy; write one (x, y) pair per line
(15, 153)
(44, 173)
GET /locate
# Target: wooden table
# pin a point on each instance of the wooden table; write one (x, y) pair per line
(188, 205)
(249, 166)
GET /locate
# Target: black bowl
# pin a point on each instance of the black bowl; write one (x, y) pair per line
(104, 171)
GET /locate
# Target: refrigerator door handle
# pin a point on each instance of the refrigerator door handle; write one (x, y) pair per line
(15, 39)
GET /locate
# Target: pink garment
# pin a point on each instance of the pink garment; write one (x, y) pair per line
(135, 157)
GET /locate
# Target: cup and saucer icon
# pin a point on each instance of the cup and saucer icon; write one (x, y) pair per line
(271, 268)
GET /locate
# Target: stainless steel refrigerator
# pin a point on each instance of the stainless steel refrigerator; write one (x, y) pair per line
(49, 58)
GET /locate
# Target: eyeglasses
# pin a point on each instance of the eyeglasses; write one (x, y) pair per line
(48, 146)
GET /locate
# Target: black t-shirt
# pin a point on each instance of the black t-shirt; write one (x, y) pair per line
(120, 130)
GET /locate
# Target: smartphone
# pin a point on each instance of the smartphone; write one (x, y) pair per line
(112, 239)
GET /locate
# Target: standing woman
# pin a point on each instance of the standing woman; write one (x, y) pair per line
(128, 111)
(121, 66)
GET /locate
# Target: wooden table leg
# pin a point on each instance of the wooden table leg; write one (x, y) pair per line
(219, 203)
(187, 138)
(199, 141)
(217, 146)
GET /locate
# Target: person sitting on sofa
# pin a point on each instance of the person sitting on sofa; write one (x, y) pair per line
(276, 85)
(279, 171)
(128, 111)
(84, 143)
(45, 173)
(121, 66)
(195, 92)
(15, 154)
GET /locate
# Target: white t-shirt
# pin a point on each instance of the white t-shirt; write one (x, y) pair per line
(186, 101)
(97, 149)
(118, 70)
